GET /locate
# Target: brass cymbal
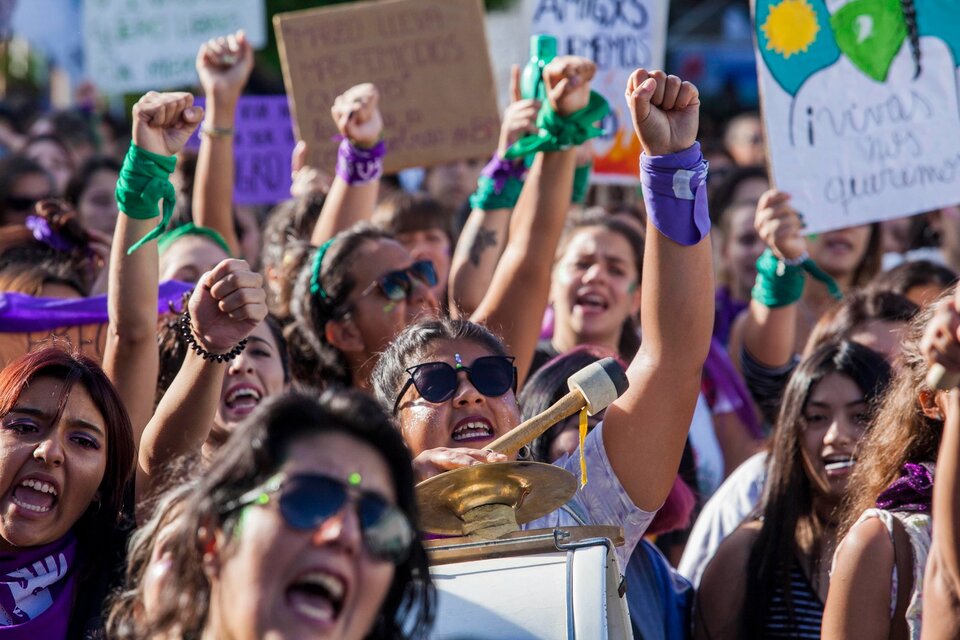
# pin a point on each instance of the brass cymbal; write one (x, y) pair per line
(532, 489)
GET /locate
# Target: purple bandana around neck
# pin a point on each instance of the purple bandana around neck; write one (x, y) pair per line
(912, 491)
(36, 590)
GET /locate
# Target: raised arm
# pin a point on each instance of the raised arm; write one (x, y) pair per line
(162, 123)
(941, 582)
(353, 194)
(645, 429)
(228, 303)
(484, 235)
(514, 304)
(224, 65)
(770, 326)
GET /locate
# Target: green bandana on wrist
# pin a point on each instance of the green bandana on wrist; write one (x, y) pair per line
(486, 197)
(558, 133)
(144, 181)
(779, 284)
(581, 183)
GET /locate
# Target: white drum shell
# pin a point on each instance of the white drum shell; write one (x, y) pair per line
(527, 597)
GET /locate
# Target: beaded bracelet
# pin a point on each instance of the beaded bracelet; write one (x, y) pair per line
(186, 332)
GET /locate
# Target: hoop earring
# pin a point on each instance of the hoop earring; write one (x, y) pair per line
(524, 453)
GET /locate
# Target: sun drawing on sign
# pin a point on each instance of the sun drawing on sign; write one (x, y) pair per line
(791, 27)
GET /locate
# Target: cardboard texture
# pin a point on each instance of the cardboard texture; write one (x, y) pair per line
(428, 59)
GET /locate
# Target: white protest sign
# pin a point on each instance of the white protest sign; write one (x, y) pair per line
(860, 107)
(619, 36)
(137, 45)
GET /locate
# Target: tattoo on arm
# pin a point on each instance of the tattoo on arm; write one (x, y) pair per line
(484, 239)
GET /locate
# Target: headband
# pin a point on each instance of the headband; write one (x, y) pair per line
(315, 287)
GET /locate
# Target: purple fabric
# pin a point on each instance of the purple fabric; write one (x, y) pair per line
(22, 313)
(675, 192)
(500, 170)
(721, 379)
(43, 233)
(726, 311)
(37, 586)
(912, 491)
(360, 166)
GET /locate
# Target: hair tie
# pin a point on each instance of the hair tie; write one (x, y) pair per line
(315, 287)
(45, 233)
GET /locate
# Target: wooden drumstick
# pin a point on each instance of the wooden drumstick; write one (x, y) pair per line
(595, 387)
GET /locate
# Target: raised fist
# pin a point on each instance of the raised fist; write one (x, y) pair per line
(567, 79)
(357, 115)
(163, 122)
(228, 303)
(665, 110)
(224, 65)
(780, 226)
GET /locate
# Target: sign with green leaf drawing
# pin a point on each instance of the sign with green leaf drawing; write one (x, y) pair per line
(860, 105)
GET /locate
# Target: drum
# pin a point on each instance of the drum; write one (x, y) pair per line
(575, 591)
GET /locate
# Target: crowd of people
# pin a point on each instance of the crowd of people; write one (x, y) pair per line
(238, 458)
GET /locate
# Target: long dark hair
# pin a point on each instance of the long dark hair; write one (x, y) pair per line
(787, 505)
(256, 451)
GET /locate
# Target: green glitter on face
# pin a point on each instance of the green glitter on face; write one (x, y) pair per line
(354, 479)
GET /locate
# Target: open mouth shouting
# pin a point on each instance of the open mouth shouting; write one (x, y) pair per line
(472, 429)
(241, 399)
(591, 302)
(318, 596)
(35, 495)
(838, 465)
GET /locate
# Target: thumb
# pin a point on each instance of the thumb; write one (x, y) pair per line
(299, 159)
(515, 94)
(558, 90)
(640, 99)
(193, 115)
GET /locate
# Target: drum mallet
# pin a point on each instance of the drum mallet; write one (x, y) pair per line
(595, 387)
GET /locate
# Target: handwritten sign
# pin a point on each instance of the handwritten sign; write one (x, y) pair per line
(619, 37)
(429, 60)
(263, 143)
(137, 45)
(860, 107)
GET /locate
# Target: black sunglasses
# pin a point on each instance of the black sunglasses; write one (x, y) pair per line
(18, 203)
(398, 285)
(436, 382)
(308, 500)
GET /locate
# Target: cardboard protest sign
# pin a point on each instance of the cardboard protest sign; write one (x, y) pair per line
(860, 106)
(263, 143)
(137, 45)
(429, 60)
(619, 37)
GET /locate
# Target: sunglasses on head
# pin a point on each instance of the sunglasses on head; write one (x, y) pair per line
(436, 382)
(308, 500)
(398, 285)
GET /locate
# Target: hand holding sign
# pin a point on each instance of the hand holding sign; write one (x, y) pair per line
(665, 110)
(357, 114)
(941, 344)
(163, 122)
(224, 65)
(779, 225)
(226, 306)
(568, 83)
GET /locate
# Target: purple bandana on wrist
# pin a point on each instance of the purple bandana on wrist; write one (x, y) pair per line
(675, 192)
(912, 491)
(360, 166)
(44, 233)
(499, 170)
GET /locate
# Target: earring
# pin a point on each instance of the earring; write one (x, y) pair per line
(524, 453)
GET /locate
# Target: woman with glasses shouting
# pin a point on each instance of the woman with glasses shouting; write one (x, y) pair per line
(452, 383)
(302, 528)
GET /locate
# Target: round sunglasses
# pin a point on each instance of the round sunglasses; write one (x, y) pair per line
(398, 285)
(308, 500)
(436, 382)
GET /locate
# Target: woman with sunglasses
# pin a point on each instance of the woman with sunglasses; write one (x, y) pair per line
(452, 385)
(302, 528)
(357, 292)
